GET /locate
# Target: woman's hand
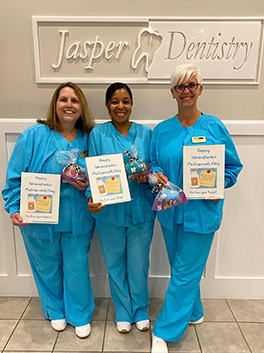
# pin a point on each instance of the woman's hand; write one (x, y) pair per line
(17, 220)
(212, 199)
(216, 200)
(79, 185)
(141, 178)
(162, 178)
(95, 207)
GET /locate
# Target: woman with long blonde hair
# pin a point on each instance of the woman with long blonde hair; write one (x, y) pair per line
(57, 252)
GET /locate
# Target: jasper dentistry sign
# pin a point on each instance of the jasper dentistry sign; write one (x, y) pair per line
(145, 50)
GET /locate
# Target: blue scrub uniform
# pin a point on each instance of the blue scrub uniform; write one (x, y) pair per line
(57, 253)
(188, 229)
(125, 229)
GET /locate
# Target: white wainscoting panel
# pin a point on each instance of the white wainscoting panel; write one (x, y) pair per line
(235, 267)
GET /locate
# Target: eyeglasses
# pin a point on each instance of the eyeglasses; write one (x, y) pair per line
(191, 87)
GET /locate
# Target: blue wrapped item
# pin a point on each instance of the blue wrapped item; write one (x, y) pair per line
(135, 165)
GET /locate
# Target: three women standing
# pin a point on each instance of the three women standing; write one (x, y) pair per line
(125, 230)
(58, 253)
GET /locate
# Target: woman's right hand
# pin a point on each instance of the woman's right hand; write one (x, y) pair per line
(162, 178)
(17, 220)
(95, 207)
(79, 185)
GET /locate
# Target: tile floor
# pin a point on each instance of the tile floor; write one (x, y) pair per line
(231, 326)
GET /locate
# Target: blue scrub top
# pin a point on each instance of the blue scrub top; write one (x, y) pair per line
(66, 190)
(166, 155)
(34, 152)
(106, 139)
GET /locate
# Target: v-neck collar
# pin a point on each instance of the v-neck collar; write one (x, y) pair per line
(129, 137)
(177, 121)
(60, 142)
(62, 139)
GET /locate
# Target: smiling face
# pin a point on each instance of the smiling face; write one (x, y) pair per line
(120, 106)
(68, 107)
(187, 98)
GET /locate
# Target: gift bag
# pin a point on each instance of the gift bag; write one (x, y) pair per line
(167, 196)
(135, 165)
(72, 171)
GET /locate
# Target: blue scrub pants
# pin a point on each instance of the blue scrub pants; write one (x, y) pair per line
(126, 254)
(61, 272)
(188, 253)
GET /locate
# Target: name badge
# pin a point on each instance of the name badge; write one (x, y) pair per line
(198, 139)
(83, 154)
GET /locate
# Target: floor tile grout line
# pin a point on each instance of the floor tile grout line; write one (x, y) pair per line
(10, 336)
(197, 336)
(151, 333)
(233, 322)
(238, 326)
(56, 340)
(106, 319)
(18, 321)
(244, 337)
(30, 300)
(229, 307)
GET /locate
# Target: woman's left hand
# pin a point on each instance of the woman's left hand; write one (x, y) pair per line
(95, 207)
(79, 185)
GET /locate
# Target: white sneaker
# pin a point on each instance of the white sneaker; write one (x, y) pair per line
(158, 345)
(197, 322)
(123, 326)
(83, 331)
(142, 325)
(58, 325)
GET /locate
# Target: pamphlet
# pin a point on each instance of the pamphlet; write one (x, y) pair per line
(203, 171)
(108, 179)
(40, 197)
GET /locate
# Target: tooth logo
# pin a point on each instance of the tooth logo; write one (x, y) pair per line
(148, 42)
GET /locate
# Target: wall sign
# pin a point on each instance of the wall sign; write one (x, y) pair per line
(145, 50)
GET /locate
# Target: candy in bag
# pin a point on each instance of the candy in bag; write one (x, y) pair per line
(72, 171)
(167, 196)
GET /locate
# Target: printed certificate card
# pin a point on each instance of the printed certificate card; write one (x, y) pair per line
(108, 179)
(40, 197)
(203, 171)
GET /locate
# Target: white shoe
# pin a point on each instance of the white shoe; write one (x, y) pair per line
(83, 331)
(158, 345)
(142, 325)
(197, 322)
(123, 326)
(58, 325)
